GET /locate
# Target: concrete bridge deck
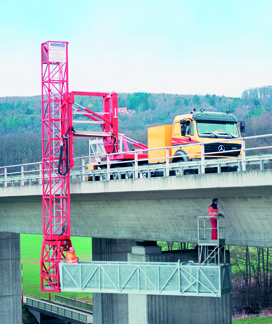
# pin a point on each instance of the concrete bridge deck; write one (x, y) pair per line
(164, 208)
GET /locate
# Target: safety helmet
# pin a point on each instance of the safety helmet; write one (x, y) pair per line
(71, 249)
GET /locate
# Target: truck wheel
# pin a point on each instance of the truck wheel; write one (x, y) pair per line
(180, 156)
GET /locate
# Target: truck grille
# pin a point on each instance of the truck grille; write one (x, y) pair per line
(223, 149)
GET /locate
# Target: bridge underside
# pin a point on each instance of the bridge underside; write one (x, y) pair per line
(154, 209)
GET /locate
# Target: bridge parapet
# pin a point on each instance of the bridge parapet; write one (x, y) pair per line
(31, 173)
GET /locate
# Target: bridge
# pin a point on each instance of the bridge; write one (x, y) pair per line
(63, 310)
(139, 209)
(120, 206)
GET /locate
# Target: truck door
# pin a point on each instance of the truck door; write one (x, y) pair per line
(183, 134)
(187, 129)
(189, 134)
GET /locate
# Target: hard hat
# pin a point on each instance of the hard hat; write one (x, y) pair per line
(71, 249)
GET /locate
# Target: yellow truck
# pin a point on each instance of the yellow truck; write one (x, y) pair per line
(193, 128)
(220, 132)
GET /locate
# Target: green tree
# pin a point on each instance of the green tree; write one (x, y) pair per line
(178, 103)
(196, 100)
(212, 101)
(186, 102)
(29, 111)
(256, 102)
(138, 101)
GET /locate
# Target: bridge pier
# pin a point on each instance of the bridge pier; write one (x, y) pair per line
(110, 308)
(10, 278)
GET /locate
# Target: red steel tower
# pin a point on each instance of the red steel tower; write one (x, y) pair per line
(57, 158)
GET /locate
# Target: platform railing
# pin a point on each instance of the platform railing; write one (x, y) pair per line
(256, 155)
(211, 240)
(205, 231)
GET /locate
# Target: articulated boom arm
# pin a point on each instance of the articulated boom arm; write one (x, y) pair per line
(108, 121)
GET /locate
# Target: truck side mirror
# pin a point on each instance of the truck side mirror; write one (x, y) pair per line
(242, 127)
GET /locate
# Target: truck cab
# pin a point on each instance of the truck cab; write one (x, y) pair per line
(205, 127)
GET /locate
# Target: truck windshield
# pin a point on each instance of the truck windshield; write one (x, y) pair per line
(217, 129)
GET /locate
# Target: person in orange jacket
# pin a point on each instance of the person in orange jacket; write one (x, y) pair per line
(71, 256)
(214, 215)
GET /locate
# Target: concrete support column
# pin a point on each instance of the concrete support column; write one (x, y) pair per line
(110, 308)
(10, 279)
(147, 309)
(138, 305)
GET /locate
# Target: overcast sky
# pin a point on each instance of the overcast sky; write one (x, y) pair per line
(220, 47)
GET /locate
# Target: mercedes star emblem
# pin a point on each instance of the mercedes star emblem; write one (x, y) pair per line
(221, 148)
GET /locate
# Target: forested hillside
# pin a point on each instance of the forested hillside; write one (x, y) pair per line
(20, 118)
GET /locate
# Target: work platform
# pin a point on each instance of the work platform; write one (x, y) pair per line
(210, 277)
(152, 278)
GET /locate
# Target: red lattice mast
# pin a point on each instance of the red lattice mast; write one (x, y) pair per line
(57, 159)
(57, 153)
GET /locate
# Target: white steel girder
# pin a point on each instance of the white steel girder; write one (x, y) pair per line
(152, 278)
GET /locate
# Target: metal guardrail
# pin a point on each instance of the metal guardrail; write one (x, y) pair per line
(176, 279)
(74, 303)
(21, 174)
(211, 241)
(205, 231)
(31, 173)
(59, 310)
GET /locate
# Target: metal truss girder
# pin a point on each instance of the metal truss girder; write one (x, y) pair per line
(152, 278)
(56, 122)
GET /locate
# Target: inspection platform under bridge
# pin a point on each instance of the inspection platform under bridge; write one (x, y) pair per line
(152, 278)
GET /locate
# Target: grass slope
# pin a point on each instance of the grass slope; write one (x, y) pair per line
(253, 320)
(30, 258)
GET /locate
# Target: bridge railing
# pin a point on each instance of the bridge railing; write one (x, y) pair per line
(74, 303)
(21, 174)
(256, 153)
(59, 310)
